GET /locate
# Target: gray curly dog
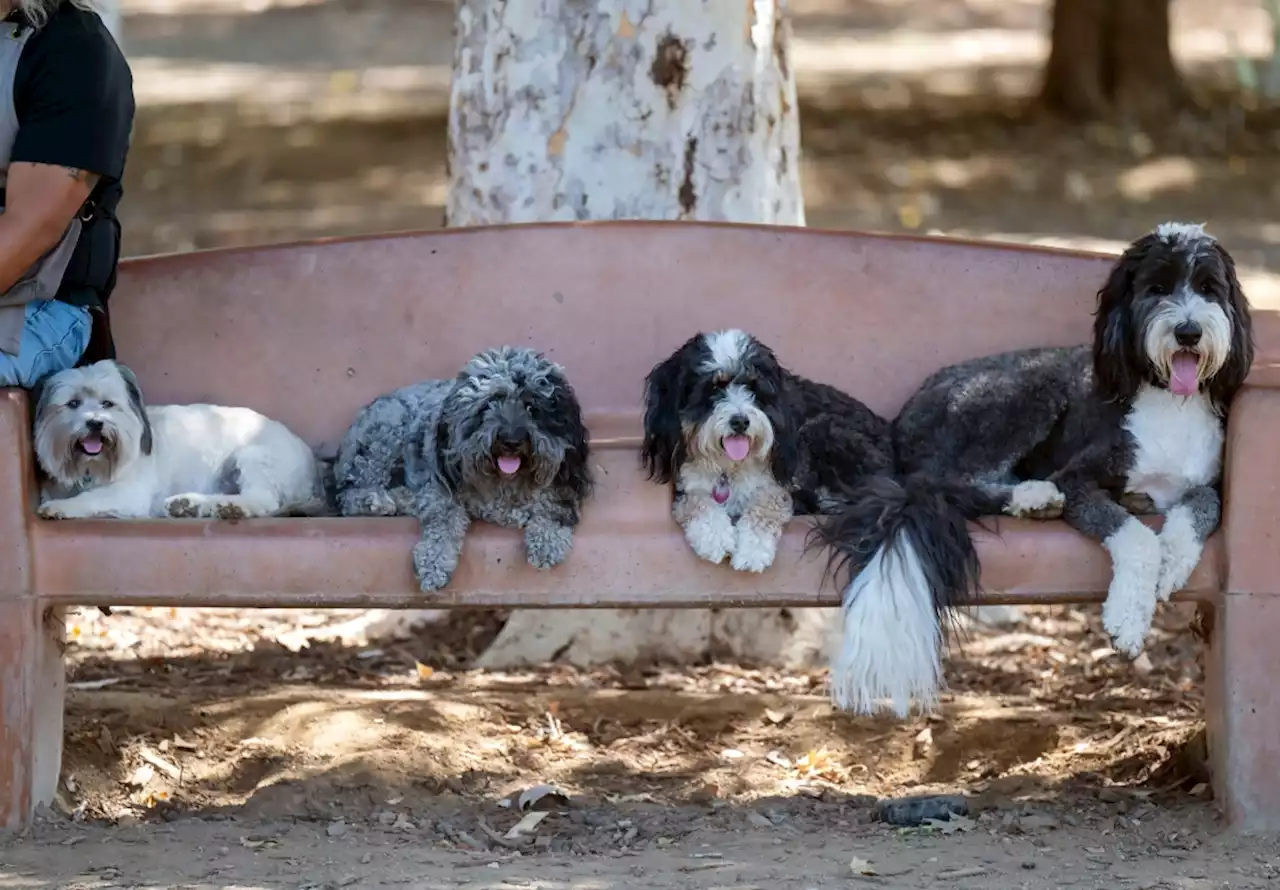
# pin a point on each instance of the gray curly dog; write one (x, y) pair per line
(504, 442)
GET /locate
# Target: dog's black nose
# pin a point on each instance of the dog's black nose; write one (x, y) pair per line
(738, 423)
(94, 426)
(1187, 333)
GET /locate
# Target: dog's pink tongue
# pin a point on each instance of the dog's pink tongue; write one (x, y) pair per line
(508, 464)
(1182, 381)
(91, 445)
(736, 447)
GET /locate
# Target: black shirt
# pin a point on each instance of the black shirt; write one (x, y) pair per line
(73, 93)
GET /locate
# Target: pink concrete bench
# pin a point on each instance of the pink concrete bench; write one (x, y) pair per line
(308, 333)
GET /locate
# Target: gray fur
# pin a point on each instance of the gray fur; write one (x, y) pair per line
(432, 449)
(1205, 506)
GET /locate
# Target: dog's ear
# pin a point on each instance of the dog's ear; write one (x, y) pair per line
(565, 422)
(784, 462)
(38, 397)
(662, 450)
(1118, 365)
(137, 405)
(1229, 379)
(448, 467)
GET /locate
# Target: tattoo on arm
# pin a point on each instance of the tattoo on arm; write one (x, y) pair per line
(77, 174)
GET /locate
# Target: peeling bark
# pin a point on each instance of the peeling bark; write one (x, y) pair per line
(622, 109)
(630, 109)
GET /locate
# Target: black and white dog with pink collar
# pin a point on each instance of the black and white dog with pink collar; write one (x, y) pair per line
(747, 444)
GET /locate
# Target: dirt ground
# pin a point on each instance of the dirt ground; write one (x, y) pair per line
(215, 749)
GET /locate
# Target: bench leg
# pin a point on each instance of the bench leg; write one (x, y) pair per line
(1242, 702)
(1242, 710)
(32, 691)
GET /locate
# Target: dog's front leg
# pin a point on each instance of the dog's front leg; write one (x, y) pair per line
(760, 528)
(1135, 562)
(707, 526)
(97, 503)
(444, 526)
(1187, 525)
(547, 541)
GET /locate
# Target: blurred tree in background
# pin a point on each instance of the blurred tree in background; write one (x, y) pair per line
(1111, 58)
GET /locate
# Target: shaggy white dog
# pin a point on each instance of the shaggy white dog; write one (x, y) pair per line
(108, 455)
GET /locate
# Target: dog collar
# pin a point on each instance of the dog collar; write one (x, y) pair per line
(721, 492)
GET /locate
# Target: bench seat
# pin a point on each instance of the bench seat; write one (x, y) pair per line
(627, 552)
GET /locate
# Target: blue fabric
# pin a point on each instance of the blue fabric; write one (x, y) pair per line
(56, 334)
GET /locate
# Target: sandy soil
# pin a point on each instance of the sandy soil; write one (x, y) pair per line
(267, 749)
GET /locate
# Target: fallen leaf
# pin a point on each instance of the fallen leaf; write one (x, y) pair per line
(142, 775)
(861, 867)
(777, 718)
(527, 825)
(531, 797)
(424, 672)
(732, 754)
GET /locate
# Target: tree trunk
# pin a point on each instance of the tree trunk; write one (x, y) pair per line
(629, 109)
(1111, 58)
(621, 109)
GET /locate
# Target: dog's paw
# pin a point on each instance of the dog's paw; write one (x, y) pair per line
(182, 506)
(1137, 503)
(229, 511)
(51, 510)
(1036, 499)
(547, 545)
(433, 565)
(754, 550)
(711, 535)
(1180, 550)
(373, 502)
(1131, 598)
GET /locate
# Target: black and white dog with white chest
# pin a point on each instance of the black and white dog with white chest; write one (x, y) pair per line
(1045, 432)
(746, 444)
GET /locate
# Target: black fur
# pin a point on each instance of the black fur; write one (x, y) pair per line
(825, 441)
(139, 407)
(973, 431)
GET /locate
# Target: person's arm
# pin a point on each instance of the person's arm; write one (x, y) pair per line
(40, 202)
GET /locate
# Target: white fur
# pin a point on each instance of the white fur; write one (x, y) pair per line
(1214, 347)
(192, 448)
(737, 400)
(754, 549)
(1131, 598)
(1178, 445)
(1180, 550)
(1033, 496)
(888, 611)
(710, 529)
(727, 349)
(1180, 231)
(711, 535)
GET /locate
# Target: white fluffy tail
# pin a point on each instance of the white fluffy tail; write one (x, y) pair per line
(890, 650)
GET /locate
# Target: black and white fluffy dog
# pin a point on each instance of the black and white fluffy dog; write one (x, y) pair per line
(740, 437)
(1046, 432)
(503, 442)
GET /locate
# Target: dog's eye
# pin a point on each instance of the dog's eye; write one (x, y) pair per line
(1159, 290)
(721, 382)
(73, 404)
(106, 403)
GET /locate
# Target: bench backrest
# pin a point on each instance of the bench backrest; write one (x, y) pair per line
(308, 333)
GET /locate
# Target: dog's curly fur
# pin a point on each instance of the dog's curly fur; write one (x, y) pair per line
(105, 453)
(802, 443)
(1077, 432)
(504, 442)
